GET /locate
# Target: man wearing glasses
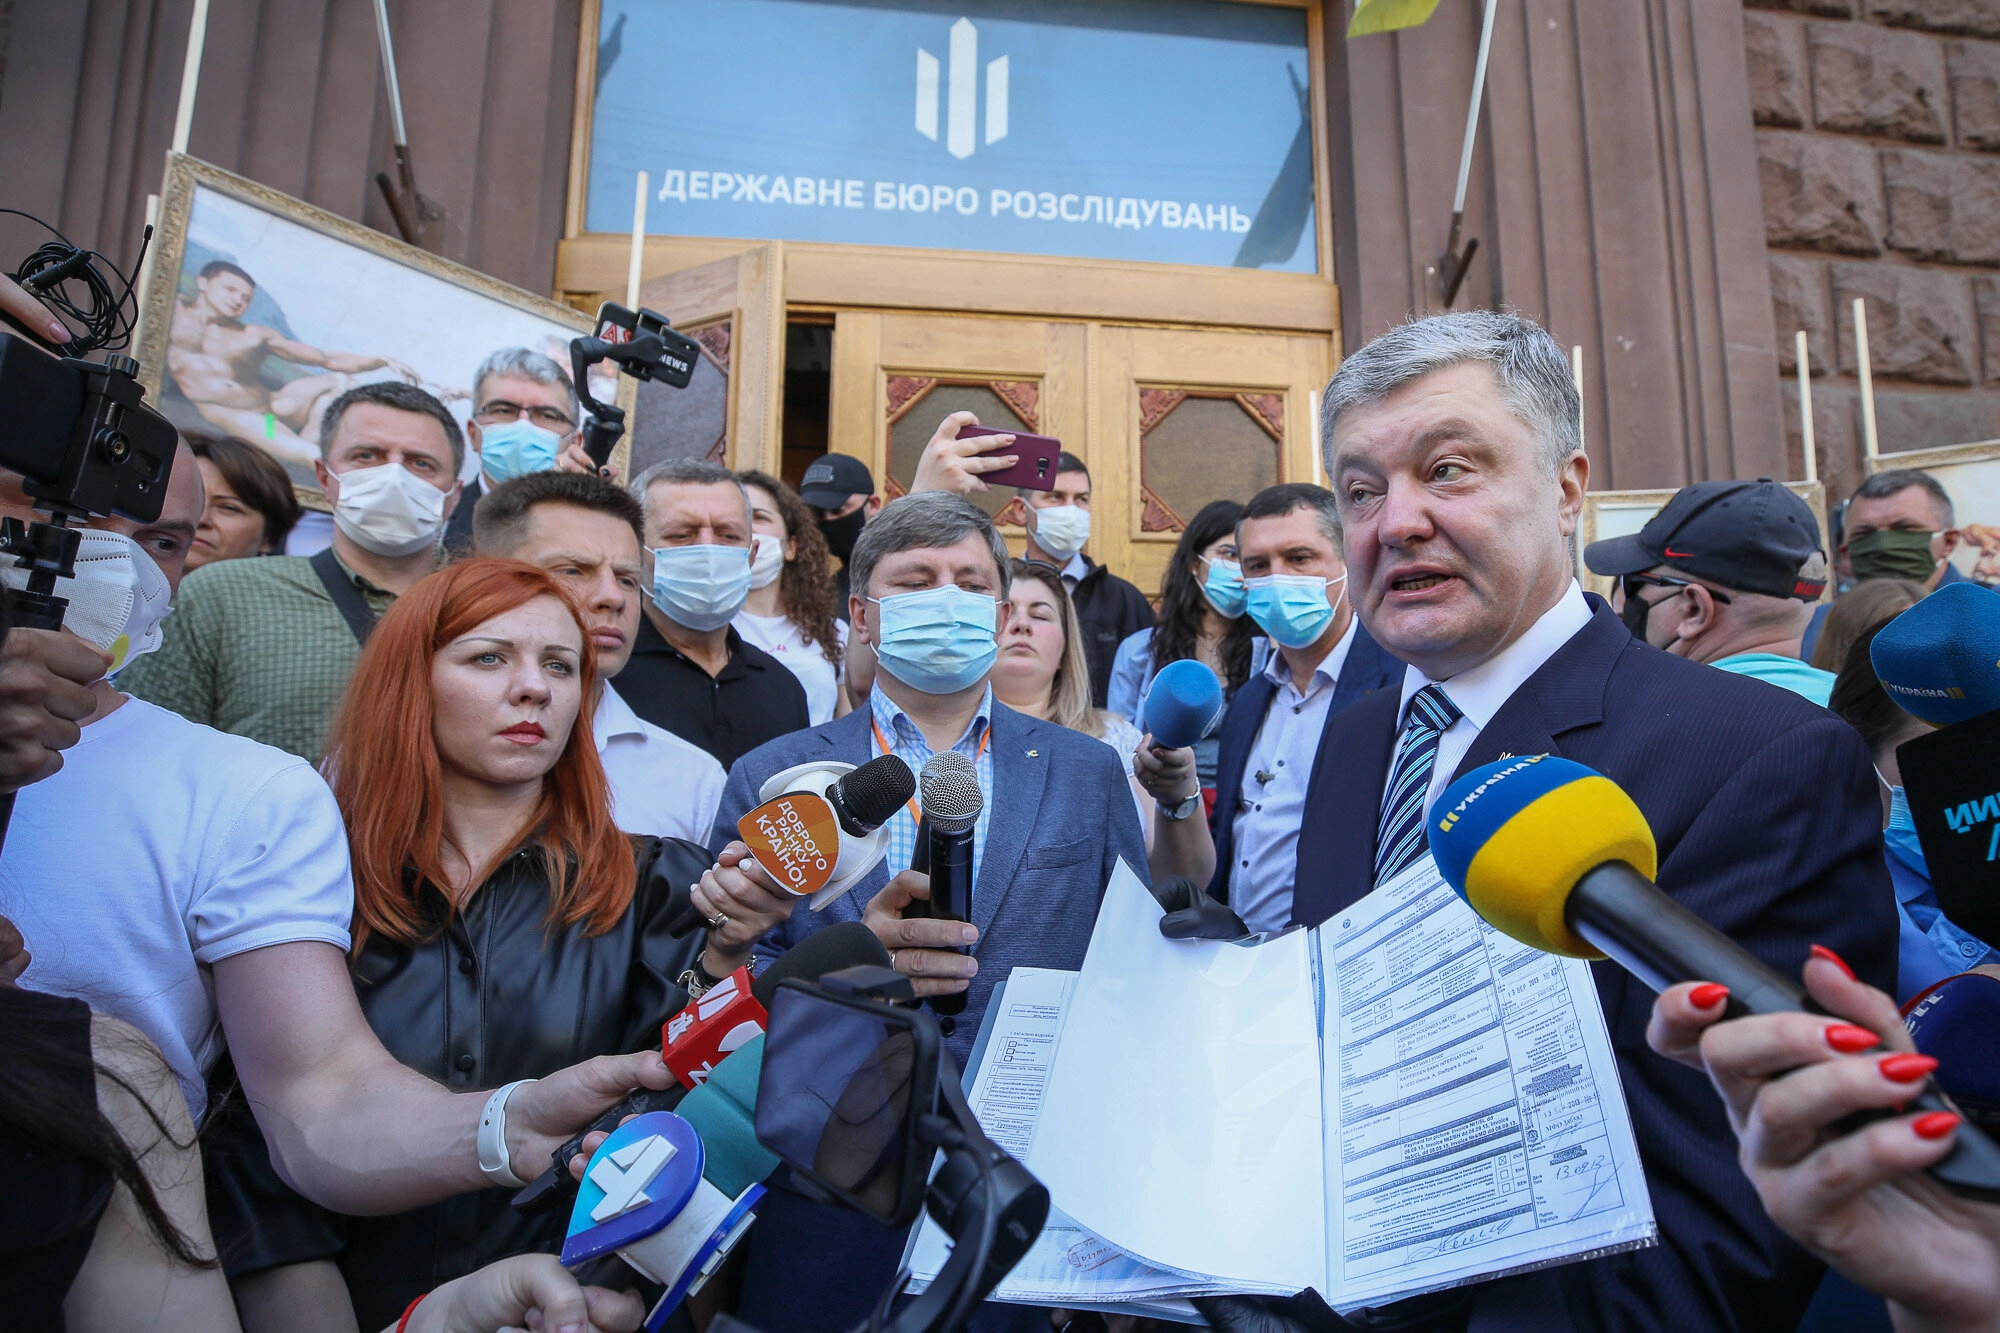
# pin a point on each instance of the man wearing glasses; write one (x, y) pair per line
(1726, 574)
(524, 419)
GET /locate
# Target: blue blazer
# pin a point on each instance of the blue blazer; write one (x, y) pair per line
(1368, 668)
(1765, 811)
(1062, 816)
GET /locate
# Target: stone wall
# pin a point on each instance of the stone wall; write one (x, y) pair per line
(1879, 153)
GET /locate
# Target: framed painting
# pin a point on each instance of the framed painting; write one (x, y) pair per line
(260, 309)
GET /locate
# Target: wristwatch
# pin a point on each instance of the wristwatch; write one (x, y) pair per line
(696, 981)
(1181, 809)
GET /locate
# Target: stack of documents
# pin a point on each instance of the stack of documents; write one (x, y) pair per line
(1400, 1100)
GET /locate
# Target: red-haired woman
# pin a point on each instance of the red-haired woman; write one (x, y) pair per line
(504, 928)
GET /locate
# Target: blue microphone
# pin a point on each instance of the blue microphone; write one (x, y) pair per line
(1183, 704)
(1940, 660)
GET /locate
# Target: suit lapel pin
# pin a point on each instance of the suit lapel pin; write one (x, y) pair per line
(1034, 754)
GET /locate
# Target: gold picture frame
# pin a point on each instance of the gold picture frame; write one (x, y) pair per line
(349, 295)
(1621, 513)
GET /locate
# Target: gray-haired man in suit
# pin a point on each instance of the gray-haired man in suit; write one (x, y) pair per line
(930, 580)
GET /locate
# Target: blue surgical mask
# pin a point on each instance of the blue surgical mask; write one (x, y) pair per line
(516, 448)
(1901, 835)
(701, 587)
(940, 640)
(1224, 587)
(1292, 608)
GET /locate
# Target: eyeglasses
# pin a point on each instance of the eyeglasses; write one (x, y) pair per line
(1633, 582)
(499, 412)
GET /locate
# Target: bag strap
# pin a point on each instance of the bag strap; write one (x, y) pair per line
(353, 606)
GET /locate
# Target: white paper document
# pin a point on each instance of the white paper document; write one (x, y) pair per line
(1067, 1265)
(1476, 1123)
(1401, 1100)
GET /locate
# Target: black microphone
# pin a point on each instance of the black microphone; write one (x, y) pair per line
(862, 799)
(951, 805)
(839, 946)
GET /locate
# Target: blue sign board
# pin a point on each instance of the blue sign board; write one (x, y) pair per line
(1170, 130)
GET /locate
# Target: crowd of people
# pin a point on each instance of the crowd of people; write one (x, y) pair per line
(361, 859)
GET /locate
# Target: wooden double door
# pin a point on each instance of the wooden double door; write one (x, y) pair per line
(1167, 417)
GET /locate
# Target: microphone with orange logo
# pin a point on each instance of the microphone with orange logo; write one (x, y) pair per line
(819, 829)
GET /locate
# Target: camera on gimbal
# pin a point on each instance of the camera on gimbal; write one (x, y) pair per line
(642, 345)
(77, 431)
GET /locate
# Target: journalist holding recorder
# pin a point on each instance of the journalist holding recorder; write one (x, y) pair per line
(929, 596)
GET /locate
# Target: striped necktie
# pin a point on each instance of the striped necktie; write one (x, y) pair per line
(1400, 840)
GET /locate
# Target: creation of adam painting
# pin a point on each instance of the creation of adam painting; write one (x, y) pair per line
(261, 310)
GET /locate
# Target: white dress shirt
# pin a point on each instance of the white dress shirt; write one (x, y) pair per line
(660, 785)
(1479, 691)
(1266, 833)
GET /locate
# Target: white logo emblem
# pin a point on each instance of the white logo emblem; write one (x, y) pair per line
(716, 998)
(962, 92)
(624, 1174)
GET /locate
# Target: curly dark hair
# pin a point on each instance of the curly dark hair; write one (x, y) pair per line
(1177, 632)
(805, 589)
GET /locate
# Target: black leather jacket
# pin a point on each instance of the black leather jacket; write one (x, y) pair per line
(496, 996)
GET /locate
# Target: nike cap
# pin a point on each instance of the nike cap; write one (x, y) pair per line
(1748, 536)
(834, 479)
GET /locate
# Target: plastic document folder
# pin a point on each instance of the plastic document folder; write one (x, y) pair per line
(1397, 1101)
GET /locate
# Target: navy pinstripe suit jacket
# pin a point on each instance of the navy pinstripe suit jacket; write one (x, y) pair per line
(1765, 810)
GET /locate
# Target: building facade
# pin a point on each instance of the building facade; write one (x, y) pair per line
(1671, 187)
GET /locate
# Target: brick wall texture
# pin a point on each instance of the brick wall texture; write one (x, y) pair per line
(1878, 136)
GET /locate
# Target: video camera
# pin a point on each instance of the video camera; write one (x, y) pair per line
(77, 431)
(644, 346)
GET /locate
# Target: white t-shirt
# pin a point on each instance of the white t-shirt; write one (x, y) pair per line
(781, 639)
(162, 847)
(660, 785)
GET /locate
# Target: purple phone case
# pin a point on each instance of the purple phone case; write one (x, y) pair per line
(1038, 454)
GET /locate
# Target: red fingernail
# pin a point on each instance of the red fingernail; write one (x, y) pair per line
(1935, 1125)
(1821, 951)
(1851, 1040)
(1708, 995)
(1905, 1067)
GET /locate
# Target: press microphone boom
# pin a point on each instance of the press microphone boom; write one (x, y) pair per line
(1557, 856)
(951, 805)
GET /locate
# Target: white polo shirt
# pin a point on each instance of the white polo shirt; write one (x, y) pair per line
(660, 785)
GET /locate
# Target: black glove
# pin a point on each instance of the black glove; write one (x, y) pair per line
(1193, 915)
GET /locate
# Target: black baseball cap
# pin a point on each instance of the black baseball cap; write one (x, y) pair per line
(1748, 536)
(834, 479)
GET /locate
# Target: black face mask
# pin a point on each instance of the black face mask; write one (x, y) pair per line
(841, 533)
(1635, 613)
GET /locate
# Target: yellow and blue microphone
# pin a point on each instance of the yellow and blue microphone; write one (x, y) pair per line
(1559, 857)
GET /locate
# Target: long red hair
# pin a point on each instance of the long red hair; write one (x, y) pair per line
(388, 779)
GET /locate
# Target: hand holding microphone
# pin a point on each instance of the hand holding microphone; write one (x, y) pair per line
(816, 832)
(1559, 857)
(1860, 1199)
